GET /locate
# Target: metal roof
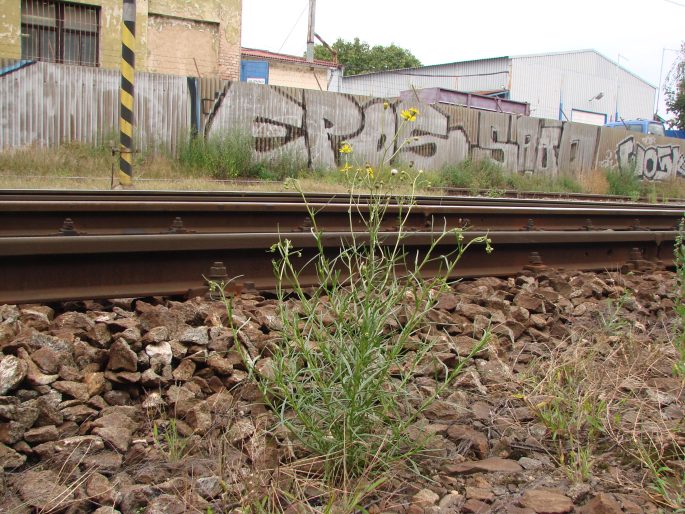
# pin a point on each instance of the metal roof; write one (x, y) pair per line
(265, 54)
(588, 50)
(396, 70)
(523, 56)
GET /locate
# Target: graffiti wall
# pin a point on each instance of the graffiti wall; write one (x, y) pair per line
(313, 124)
(61, 103)
(650, 157)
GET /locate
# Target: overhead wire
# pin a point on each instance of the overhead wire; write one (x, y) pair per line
(294, 25)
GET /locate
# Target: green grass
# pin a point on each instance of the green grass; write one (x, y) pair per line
(223, 156)
(169, 441)
(203, 163)
(624, 183)
(679, 330)
(339, 379)
(486, 174)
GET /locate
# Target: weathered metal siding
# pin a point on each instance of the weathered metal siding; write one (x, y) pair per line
(482, 75)
(576, 79)
(48, 104)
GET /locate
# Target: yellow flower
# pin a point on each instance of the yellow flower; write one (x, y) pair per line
(346, 168)
(410, 114)
(345, 147)
(386, 104)
(369, 170)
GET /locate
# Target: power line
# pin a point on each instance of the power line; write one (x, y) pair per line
(675, 3)
(294, 25)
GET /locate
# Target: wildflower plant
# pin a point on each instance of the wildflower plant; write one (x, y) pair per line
(679, 336)
(340, 378)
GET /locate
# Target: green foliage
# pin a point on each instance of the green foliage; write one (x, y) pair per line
(358, 57)
(611, 315)
(679, 336)
(571, 410)
(230, 156)
(666, 473)
(675, 91)
(476, 175)
(340, 380)
(486, 174)
(288, 164)
(173, 444)
(223, 156)
(624, 182)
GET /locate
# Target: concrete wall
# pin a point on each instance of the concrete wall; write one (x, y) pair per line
(301, 76)
(172, 36)
(10, 29)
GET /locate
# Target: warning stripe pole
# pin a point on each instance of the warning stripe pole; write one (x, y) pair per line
(128, 66)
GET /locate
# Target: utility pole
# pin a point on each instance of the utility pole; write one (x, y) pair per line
(310, 31)
(126, 95)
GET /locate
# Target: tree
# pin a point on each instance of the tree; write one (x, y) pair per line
(358, 57)
(675, 91)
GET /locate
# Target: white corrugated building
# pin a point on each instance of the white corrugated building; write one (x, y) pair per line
(581, 85)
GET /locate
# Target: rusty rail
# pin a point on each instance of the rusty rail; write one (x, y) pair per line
(79, 245)
(163, 214)
(34, 269)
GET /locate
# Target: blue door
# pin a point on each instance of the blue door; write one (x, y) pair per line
(254, 71)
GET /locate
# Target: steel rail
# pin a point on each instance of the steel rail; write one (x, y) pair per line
(45, 269)
(447, 198)
(101, 217)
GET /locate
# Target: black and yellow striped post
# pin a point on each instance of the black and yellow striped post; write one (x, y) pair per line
(128, 67)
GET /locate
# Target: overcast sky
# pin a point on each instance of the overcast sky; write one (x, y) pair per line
(441, 31)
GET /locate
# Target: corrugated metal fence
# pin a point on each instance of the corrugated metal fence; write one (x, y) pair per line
(48, 104)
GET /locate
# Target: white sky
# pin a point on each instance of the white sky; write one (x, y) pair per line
(441, 31)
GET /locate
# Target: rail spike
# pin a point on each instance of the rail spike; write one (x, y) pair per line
(535, 263)
(218, 275)
(637, 262)
(68, 228)
(177, 226)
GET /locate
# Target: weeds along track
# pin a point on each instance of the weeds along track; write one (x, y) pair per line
(84, 245)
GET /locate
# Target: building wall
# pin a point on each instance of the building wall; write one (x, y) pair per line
(575, 79)
(182, 47)
(572, 78)
(486, 74)
(302, 76)
(10, 29)
(169, 34)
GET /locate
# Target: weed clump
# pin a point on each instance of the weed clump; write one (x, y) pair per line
(340, 378)
(624, 182)
(488, 175)
(222, 156)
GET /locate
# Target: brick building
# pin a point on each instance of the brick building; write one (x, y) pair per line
(172, 36)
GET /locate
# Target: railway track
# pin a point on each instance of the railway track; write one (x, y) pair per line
(130, 213)
(80, 245)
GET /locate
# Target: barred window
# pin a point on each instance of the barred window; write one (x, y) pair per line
(60, 32)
